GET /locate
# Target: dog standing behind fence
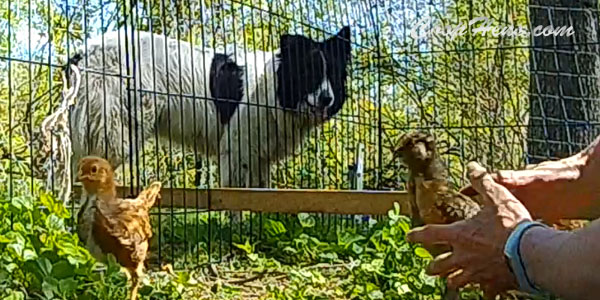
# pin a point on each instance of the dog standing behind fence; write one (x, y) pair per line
(252, 109)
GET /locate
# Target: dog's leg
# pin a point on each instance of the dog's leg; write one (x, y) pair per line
(227, 172)
(263, 177)
(198, 179)
(233, 162)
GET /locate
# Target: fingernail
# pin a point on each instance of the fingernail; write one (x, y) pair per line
(409, 236)
(412, 235)
(429, 269)
(475, 168)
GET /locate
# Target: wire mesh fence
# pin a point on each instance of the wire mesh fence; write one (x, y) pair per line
(279, 94)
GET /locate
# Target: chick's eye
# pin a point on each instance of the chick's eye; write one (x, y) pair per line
(94, 169)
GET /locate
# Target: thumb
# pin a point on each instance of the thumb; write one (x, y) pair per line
(468, 190)
(482, 182)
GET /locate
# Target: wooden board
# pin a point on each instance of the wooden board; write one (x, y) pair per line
(279, 200)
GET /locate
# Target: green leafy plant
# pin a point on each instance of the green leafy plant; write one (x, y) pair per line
(374, 264)
(41, 259)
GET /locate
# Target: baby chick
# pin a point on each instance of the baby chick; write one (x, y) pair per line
(108, 224)
(432, 200)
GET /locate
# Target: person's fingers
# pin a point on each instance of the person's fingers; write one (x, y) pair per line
(492, 289)
(485, 185)
(445, 264)
(472, 273)
(560, 164)
(515, 179)
(507, 178)
(475, 170)
(479, 177)
(489, 292)
(565, 169)
(468, 191)
(432, 234)
(493, 285)
(481, 181)
(459, 279)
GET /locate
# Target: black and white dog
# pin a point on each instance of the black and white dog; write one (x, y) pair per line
(251, 109)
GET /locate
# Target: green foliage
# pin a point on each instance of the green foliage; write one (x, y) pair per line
(163, 286)
(41, 259)
(376, 264)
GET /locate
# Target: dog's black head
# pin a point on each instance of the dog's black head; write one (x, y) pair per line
(312, 75)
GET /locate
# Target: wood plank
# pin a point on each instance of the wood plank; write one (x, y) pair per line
(279, 200)
(295, 201)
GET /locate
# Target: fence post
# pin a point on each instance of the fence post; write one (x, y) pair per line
(375, 21)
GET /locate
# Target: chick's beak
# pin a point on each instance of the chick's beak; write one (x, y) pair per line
(397, 153)
(79, 176)
(420, 151)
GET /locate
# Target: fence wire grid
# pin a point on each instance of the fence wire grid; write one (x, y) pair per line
(503, 101)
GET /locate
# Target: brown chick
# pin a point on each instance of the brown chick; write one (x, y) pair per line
(432, 201)
(108, 224)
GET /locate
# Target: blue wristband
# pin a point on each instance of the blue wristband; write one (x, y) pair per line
(513, 254)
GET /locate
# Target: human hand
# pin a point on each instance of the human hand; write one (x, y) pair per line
(478, 243)
(539, 185)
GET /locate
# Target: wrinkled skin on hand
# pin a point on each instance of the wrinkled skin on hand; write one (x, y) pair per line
(478, 243)
(548, 189)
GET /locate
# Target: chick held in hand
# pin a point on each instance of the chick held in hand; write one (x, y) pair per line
(432, 199)
(111, 225)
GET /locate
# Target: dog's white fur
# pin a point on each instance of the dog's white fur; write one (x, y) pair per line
(248, 144)
(261, 135)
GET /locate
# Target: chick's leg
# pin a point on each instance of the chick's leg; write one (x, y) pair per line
(136, 275)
